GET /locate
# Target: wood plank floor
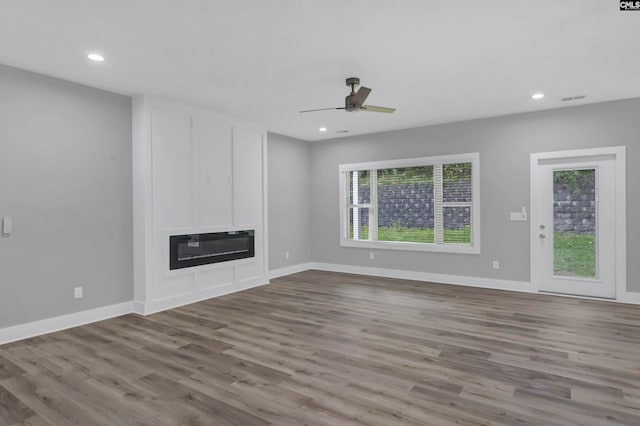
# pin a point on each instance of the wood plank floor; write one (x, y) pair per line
(336, 349)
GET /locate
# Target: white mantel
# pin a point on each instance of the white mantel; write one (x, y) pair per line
(194, 171)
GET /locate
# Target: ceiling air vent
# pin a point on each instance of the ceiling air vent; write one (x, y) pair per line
(574, 98)
(342, 131)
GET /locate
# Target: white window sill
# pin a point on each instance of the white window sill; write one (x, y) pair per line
(399, 245)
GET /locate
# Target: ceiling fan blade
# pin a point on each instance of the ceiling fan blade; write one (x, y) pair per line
(360, 96)
(321, 109)
(372, 108)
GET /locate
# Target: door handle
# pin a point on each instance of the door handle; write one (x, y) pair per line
(542, 236)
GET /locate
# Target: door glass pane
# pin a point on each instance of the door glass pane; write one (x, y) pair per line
(574, 223)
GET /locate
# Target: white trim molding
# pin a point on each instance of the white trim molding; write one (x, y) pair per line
(288, 270)
(63, 322)
(489, 283)
(50, 325)
(463, 280)
(629, 297)
(172, 302)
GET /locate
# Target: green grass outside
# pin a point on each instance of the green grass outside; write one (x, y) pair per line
(416, 235)
(574, 255)
(398, 233)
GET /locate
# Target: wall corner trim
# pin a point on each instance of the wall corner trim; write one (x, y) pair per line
(138, 307)
(50, 325)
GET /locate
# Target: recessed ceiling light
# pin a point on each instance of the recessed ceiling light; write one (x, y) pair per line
(95, 57)
(537, 96)
(323, 129)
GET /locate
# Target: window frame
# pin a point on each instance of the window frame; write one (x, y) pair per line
(344, 169)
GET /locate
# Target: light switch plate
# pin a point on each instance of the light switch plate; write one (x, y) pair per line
(519, 216)
(7, 225)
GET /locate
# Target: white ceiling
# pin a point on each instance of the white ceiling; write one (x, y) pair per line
(264, 60)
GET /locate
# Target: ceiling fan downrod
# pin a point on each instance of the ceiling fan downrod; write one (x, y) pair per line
(353, 82)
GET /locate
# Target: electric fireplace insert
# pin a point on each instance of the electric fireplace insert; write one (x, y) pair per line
(190, 250)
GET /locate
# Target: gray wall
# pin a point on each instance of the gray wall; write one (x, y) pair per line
(65, 178)
(504, 144)
(289, 201)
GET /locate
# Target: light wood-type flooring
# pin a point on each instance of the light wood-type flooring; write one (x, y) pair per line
(336, 349)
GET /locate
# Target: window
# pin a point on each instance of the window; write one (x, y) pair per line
(429, 203)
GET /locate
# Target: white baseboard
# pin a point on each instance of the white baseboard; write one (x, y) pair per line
(293, 269)
(491, 283)
(138, 307)
(630, 297)
(36, 328)
(186, 299)
(50, 325)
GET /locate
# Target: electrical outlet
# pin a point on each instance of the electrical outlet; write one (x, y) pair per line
(286, 255)
(372, 256)
(77, 293)
(496, 264)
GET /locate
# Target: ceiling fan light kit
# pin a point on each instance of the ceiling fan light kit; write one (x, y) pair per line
(354, 102)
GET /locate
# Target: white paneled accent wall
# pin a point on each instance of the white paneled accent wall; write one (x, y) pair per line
(195, 171)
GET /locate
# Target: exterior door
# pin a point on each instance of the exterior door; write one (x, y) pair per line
(573, 228)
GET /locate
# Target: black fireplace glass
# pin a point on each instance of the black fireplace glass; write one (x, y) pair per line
(201, 249)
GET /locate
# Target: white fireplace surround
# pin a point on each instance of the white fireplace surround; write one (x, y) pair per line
(194, 171)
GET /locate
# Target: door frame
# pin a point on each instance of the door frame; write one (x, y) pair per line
(618, 155)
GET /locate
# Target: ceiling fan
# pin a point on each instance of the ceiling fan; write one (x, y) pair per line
(355, 100)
